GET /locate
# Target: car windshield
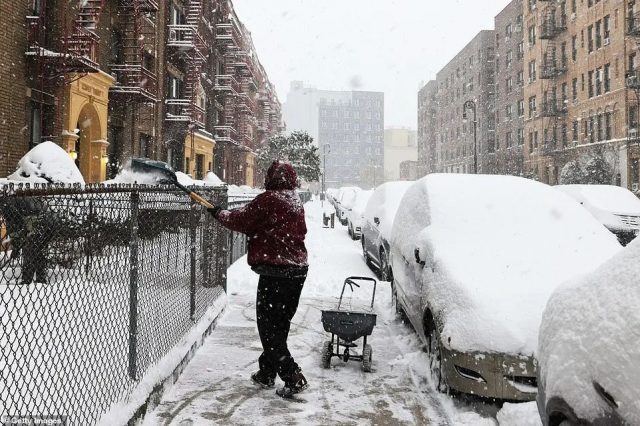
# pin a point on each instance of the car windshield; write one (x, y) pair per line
(186, 186)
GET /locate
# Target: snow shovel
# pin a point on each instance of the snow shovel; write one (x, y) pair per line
(146, 165)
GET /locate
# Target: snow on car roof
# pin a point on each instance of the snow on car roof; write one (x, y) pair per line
(500, 245)
(608, 198)
(362, 198)
(592, 324)
(384, 203)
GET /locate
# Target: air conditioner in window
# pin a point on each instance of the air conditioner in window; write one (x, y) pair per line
(518, 28)
(633, 133)
(634, 187)
(607, 41)
(632, 80)
(573, 16)
(173, 35)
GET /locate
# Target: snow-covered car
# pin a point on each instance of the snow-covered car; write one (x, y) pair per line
(589, 355)
(330, 195)
(475, 259)
(615, 207)
(355, 214)
(378, 220)
(347, 197)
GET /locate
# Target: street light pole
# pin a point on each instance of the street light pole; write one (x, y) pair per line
(324, 171)
(472, 105)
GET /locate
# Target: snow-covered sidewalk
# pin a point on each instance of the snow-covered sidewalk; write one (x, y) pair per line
(215, 387)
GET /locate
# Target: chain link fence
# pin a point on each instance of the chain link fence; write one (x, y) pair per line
(97, 284)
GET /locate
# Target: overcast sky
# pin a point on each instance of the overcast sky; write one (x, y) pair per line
(381, 45)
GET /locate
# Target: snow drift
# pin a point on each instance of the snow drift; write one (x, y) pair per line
(498, 246)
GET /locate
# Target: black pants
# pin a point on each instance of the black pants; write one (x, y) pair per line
(276, 305)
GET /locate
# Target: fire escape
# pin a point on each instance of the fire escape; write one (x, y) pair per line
(228, 39)
(554, 65)
(186, 42)
(57, 59)
(632, 80)
(134, 72)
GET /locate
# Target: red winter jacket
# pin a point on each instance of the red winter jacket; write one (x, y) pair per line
(273, 221)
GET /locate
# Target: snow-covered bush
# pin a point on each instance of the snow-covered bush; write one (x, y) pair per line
(47, 163)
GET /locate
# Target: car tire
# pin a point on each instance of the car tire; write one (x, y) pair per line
(384, 266)
(435, 358)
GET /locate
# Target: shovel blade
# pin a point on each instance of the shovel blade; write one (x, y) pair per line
(146, 165)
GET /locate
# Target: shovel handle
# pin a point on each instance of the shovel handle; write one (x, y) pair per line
(198, 199)
(195, 197)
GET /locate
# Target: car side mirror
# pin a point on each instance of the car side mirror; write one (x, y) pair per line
(419, 261)
(376, 220)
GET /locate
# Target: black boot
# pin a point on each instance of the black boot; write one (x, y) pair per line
(295, 385)
(262, 379)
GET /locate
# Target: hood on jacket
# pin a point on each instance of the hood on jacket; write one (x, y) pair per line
(281, 176)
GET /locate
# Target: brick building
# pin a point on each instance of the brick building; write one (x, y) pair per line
(353, 126)
(509, 42)
(578, 101)
(469, 76)
(568, 91)
(173, 80)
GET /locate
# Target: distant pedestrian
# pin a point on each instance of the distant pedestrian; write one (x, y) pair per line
(275, 225)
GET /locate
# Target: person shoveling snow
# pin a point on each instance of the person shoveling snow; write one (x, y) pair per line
(275, 225)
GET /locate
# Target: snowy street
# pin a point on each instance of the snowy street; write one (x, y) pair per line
(215, 387)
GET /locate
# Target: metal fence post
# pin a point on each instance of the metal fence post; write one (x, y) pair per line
(133, 287)
(221, 240)
(193, 224)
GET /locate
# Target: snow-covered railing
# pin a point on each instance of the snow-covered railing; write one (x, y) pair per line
(98, 285)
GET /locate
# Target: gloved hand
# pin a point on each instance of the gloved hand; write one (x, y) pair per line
(214, 211)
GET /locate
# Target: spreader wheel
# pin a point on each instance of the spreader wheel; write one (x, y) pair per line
(367, 358)
(327, 352)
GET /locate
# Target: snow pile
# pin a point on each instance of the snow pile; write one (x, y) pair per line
(589, 333)
(212, 179)
(521, 414)
(495, 248)
(384, 203)
(605, 202)
(47, 163)
(348, 196)
(129, 176)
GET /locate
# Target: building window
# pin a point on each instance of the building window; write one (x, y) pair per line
(598, 77)
(607, 126)
(590, 38)
(508, 112)
(532, 106)
(574, 48)
(606, 29)
(509, 60)
(607, 78)
(600, 127)
(598, 34)
(35, 124)
(532, 71)
(591, 84)
(574, 89)
(521, 108)
(521, 78)
(532, 35)
(575, 131)
(520, 136)
(520, 50)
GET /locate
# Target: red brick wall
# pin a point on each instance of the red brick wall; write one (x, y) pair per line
(13, 41)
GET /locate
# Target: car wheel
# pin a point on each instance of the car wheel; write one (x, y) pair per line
(351, 233)
(365, 254)
(435, 358)
(384, 266)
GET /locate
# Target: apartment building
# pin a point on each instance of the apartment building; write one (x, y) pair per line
(426, 133)
(509, 89)
(173, 80)
(353, 127)
(465, 87)
(400, 146)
